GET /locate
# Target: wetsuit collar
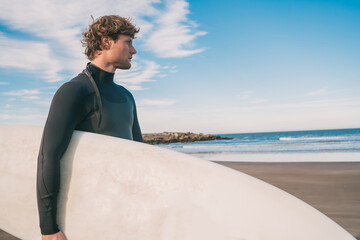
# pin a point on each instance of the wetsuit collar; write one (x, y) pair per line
(99, 74)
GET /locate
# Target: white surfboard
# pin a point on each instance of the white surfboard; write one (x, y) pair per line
(118, 189)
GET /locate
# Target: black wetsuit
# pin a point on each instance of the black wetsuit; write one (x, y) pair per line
(98, 106)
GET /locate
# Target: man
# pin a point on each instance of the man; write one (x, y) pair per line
(90, 102)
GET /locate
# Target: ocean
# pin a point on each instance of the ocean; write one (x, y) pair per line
(337, 145)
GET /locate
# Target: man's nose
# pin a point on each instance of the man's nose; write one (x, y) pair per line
(133, 50)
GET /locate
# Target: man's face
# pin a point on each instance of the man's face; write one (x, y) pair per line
(120, 52)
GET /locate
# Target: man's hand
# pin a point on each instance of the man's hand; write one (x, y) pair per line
(56, 236)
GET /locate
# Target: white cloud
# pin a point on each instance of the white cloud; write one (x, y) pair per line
(58, 26)
(156, 102)
(246, 94)
(317, 92)
(248, 97)
(173, 36)
(31, 119)
(4, 83)
(144, 71)
(330, 113)
(29, 55)
(44, 102)
(317, 104)
(65, 19)
(30, 97)
(22, 92)
(257, 100)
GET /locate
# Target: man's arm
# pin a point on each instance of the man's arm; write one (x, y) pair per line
(136, 131)
(65, 112)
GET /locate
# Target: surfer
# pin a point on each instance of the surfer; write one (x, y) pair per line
(90, 102)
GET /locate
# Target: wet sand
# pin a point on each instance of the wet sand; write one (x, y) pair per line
(332, 188)
(6, 236)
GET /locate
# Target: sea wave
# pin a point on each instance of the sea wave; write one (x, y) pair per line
(300, 142)
(208, 146)
(317, 138)
(280, 152)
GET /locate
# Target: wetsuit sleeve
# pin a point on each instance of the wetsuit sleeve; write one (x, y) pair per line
(65, 112)
(136, 128)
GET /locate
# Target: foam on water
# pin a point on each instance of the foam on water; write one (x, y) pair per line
(317, 138)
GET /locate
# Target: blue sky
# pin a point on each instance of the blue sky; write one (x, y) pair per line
(202, 66)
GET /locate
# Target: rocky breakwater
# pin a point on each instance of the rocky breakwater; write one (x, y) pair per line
(174, 137)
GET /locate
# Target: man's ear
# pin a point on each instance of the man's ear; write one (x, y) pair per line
(106, 43)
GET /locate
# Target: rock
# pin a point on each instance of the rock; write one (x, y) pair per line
(173, 137)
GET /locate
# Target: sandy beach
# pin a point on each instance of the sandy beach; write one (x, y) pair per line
(6, 236)
(332, 188)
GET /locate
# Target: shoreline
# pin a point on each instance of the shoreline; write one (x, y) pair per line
(281, 157)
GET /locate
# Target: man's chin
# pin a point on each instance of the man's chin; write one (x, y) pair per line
(124, 67)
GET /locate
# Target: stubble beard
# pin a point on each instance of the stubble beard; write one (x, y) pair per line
(124, 66)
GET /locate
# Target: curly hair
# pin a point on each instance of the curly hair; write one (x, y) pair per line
(106, 26)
